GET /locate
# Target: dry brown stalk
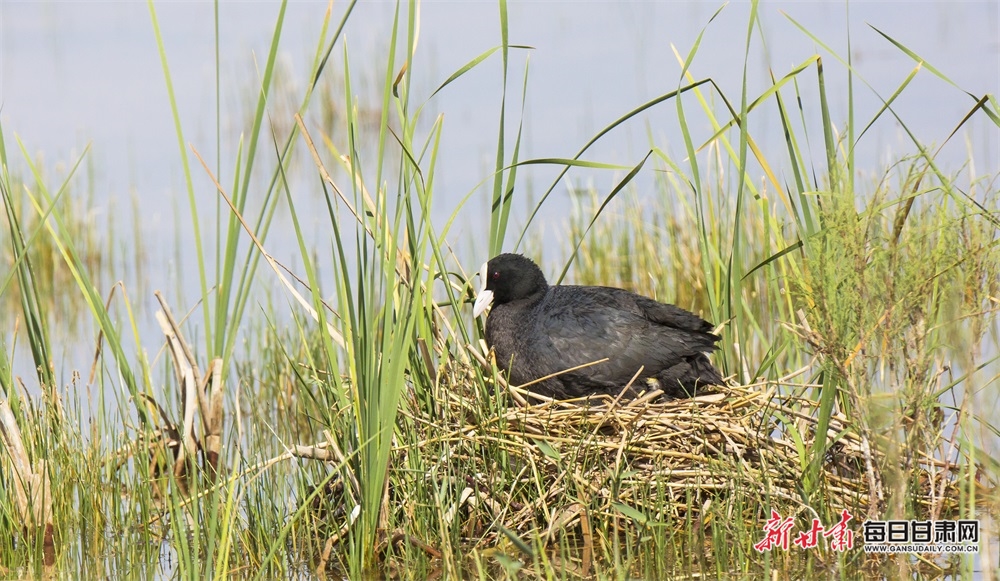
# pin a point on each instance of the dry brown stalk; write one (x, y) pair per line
(32, 490)
(216, 413)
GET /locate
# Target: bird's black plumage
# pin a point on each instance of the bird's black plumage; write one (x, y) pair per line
(536, 330)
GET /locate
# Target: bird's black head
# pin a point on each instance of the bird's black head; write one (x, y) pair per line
(507, 278)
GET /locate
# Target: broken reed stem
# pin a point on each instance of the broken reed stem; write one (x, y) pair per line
(32, 489)
(213, 441)
(199, 394)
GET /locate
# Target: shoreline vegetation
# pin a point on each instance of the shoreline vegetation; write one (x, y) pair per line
(370, 434)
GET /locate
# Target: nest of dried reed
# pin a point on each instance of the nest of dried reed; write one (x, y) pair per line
(739, 451)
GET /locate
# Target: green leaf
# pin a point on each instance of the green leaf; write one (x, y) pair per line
(630, 512)
(547, 449)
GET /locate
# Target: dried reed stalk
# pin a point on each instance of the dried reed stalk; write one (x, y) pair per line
(32, 490)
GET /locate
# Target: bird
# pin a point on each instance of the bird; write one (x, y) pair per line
(536, 330)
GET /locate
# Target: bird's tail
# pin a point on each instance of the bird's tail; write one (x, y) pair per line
(689, 378)
(704, 372)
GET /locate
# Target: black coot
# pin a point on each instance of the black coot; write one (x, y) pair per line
(536, 330)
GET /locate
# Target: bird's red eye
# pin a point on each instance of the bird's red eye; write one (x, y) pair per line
(496, 274)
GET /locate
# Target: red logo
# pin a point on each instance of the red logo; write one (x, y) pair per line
(777, 533)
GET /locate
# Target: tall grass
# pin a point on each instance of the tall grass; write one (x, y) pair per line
(365, 436)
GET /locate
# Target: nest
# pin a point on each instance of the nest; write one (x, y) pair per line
(664, 459)
(740, 451)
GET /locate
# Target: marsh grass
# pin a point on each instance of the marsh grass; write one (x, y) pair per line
(97, 236)
(368, 434)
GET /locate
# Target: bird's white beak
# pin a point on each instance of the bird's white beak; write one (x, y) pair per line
(484, 298)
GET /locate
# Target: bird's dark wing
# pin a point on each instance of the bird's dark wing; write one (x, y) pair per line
(585, 324)
(671, 316)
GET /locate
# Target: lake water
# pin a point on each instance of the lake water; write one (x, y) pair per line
(73, 74)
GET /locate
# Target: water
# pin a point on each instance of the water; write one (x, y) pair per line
(78, 74)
